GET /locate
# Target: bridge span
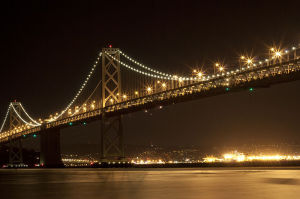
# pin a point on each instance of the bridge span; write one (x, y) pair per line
(126, 89)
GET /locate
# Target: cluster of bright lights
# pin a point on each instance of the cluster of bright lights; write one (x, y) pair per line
(220, 67)
(148, 161)
(67, 160)
(241, 157)
(275, 52)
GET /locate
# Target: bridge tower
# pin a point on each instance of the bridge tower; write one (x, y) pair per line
(112, 147)
(15, 145)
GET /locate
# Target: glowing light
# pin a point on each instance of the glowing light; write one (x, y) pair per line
(149, 89)
(272, 49)
(93, 106)
(164, 85)
(241, 157)
(249, 61)
(217, 64)
(221, 68)
(242, 57)
(200, 74)
(277, 54)
(124, 96)
(136, 93)
(210, 159)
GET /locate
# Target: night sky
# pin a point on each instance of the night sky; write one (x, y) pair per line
(47, 50)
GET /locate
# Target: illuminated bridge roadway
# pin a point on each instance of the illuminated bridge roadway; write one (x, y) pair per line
(127, 86)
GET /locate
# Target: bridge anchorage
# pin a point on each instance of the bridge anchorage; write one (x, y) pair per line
(128, 86)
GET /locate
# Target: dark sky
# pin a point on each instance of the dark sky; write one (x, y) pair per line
(47, 50)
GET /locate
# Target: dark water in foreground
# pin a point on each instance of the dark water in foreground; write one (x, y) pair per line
(150, 183)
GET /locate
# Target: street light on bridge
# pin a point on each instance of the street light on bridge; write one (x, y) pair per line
(242, 58)
(220, 68)
(149, 89)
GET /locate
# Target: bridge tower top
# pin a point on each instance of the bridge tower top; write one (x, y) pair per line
(14, 120)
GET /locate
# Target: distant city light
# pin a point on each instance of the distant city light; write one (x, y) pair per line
(241, 157)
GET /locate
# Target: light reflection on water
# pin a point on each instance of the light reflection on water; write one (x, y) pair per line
(150, 183)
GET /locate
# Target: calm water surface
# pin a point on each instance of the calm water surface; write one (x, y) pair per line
(150, 183)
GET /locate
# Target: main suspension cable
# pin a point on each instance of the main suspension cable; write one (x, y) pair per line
(80, 90)
(28, 115)
(5, 118)
(28, 123)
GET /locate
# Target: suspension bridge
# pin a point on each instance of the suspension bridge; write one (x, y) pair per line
(125, 86)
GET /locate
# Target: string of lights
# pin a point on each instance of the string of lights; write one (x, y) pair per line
(143, 66)
(88, 97)
(5, 118)
(142, 72)
(28, 123)
(80, 90)
(172, 77)
(28, 115)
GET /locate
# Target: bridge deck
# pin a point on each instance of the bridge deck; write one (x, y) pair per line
(257, 77)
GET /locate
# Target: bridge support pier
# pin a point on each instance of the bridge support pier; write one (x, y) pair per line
(15, 152)
(112, 147)
(50, 155)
